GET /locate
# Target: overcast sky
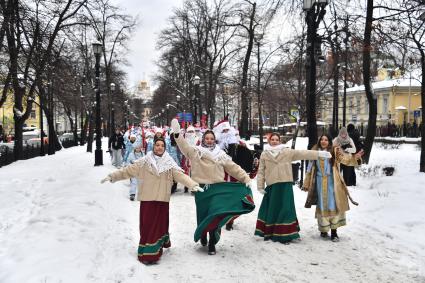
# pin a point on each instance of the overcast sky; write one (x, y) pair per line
(153, 15)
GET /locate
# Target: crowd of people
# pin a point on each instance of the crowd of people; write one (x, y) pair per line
(217, 167)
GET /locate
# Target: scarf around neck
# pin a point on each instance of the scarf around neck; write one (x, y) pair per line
(274, 150)
(326, 163)
(160, 164)
(213, 152)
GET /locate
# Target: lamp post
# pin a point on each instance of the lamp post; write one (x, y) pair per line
(196, 81)
(315, 11)
(168, 112)
(112, 128)
(98, 154)
(164, 119)
(178, 103)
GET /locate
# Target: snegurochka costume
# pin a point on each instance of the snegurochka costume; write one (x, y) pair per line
(277, 218)
(156, 175)
(327, 190)
(220, 202)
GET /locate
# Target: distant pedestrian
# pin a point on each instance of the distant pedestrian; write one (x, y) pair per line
(346, 143)
(116, 146)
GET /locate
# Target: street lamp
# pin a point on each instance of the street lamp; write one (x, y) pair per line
(196, 81)
(98, 154)
(178, 101)
(112, 127)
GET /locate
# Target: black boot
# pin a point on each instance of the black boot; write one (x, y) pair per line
(132, 196)
(186, 189)
(334, 236)
(211, 244)
(174, 188)
(324, 234)
(229, 226)
(204, 240)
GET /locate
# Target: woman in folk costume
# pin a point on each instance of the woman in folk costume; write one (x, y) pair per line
(277, 218)
(326, 188)
(193, 140)
(238, 152)
(220, 202)
(346, 143)
(156, 172)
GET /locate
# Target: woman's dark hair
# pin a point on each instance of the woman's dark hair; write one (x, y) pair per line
(206, 133)
(329, 148)
(350, 128)
(274, 134)
(155, 140)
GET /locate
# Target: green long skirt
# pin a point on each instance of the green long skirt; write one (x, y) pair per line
(277, 218)
(219, 204)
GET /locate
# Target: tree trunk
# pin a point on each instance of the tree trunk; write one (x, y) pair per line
(243, 123)
(311, 80)
(75, 128)
(19, 123)
(84, 130)
(91, 133)
(422, 160)
(371, 97)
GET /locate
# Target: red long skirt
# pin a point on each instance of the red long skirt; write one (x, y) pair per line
(154, 221)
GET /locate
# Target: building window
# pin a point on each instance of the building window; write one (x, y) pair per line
(358, 106)
(385, 105)
(32, 114)
(366, 105)
(351, 105)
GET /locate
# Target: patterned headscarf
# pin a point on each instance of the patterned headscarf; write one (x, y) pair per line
(204, 144)
(343, 137)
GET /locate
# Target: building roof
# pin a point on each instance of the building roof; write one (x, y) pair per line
(402, 82)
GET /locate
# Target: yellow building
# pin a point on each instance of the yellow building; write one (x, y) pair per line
(398, 100)
(6, 118)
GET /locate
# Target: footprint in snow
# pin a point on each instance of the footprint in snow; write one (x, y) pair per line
(50, 179)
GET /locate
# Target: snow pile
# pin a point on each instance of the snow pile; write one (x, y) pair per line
(59, 224)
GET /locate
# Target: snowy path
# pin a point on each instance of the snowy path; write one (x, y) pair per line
(59, 224)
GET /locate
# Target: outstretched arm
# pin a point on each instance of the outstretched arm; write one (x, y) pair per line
(304, 154)
(126, 173)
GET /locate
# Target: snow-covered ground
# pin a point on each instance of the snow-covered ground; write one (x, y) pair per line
(59, 224)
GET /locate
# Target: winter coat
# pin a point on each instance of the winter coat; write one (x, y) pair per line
(355, 136)
(130, 154)
(206, 170)
(340, 189)
(116, 141)
(173, 151)
(151, 186)
(278, 169)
